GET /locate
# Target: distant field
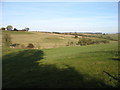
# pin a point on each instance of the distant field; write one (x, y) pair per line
(43, 40)
(17, 32)
(103, 36)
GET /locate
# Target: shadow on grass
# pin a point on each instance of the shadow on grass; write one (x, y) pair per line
(109, 54)
(115, 59)
(20, 70)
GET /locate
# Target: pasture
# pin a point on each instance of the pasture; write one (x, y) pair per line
(113, 37)
(42, 40)
(57, 66)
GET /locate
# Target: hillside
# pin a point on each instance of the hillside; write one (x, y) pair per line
(43, 40)
(56, 65)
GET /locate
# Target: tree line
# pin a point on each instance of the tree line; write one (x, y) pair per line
(10, 28)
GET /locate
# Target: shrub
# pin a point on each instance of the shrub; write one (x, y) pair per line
(70, 43)
(6, 39)
(23, 46)
(76, 36)
(16, 45)
(2, 28)
(108, 37)
(30, 45)
(86, 41)
(105, 41)
(82, 42)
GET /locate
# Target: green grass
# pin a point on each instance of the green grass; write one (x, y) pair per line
(73, 67)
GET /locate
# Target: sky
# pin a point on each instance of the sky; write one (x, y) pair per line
(62, 16)
(59, 0)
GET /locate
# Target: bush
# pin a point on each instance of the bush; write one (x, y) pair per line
(30, 45)
(6, 39)
(86, 41)
(2, 28)
(81, 42)
(108, 37)
(105, 41)
(16, 45)
(76, 36)
(23, 46)
(70, 43)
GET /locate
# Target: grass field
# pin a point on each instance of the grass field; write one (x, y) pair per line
(43, 40)
(55, 65)
(92, 66)
(113, 37)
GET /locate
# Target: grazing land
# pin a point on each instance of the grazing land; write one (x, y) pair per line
(113, 37)
(44, 40)
(56, 65)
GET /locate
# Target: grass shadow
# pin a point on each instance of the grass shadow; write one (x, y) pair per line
(20, 70)
(112, 55)
(115, 59)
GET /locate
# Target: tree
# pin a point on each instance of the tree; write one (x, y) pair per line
(15, 29)
(26, 28)
(9, 27)
(2, 28)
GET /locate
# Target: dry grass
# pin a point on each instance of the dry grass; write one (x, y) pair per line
(43, 40)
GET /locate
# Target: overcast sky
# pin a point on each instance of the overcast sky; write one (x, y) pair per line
(62, 16)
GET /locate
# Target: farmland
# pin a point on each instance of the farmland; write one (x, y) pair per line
(55, 65)
(43, 40)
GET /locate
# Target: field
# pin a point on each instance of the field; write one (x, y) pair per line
(113, 37)
(57, 66)
(43, 40)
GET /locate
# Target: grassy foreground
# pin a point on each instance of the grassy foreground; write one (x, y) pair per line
(74, 67)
